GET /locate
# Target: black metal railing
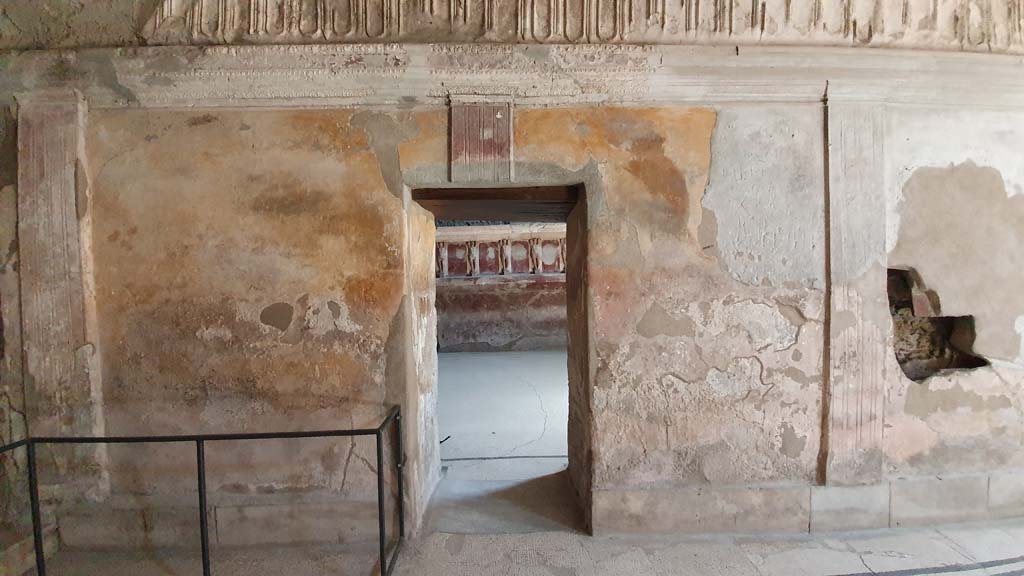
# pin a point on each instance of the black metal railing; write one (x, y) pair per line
(387, 558)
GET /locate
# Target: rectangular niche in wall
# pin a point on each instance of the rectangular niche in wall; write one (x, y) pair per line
(925, 342)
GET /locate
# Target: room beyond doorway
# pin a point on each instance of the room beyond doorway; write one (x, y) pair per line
(503, 263)
(504, 461)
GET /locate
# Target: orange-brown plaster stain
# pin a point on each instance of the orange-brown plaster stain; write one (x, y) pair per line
(211, 227)
(654, 161)
(429, 147)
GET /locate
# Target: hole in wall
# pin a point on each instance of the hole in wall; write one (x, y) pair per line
(925, 342)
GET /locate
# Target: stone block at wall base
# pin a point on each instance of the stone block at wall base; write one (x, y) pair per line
(930, 500)
(19, 557)
(102, 526)
(849, 507)
(703, 509)
(898, 502)
(343, 522)
(1006, 494)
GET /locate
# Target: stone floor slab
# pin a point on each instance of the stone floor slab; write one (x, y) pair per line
(970, 550)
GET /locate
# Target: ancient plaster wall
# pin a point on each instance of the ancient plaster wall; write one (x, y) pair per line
(501, 314)
(248, 270)
(707, 365)
(13, 495)
(580, 425)
(419, 388)
(956, 217)
(699, 396)
(61, 366)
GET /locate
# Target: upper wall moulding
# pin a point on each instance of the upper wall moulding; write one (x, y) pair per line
(974, 25)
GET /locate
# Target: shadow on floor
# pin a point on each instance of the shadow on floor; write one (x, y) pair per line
(542, 504)
(278, 560)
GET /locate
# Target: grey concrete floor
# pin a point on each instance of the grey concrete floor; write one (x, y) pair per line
(989, 549)
(504, 416)
(501, 404)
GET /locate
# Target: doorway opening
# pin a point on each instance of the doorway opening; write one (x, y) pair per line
(512, 358)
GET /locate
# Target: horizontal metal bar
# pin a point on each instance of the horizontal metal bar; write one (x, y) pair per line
(204, 437)
(14, 446)
(393, 415)
(523, 457)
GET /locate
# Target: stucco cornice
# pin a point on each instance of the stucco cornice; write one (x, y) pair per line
(409, 75)
(982, 26)
(987, 26)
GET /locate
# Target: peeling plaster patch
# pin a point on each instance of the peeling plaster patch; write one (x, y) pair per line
(962, 421)
(324, 315)
(793, 314)
(707, 233)
(984, 136)
(283, 194)
(765, 195)
(201, 120)
(658, 322)
(797, 375)
(762, 325)
(386, 134)
(279, 315)
(658, 173)
(923, 402)
(218, 333)
(920, 138)
(710, 407)
(792, 444)
(741, 377)
(941, 239)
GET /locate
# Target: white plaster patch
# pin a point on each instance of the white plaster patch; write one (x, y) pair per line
(762, 325)
(215, 334)
(739, 378)
(765, 190)
(328, 313)
(920, 138)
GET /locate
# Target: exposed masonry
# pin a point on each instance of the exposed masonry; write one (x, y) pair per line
(925, 342)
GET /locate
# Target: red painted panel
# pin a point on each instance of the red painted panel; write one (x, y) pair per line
(520, 257)
(490, 258)
(481, 143)
(550, 256)
(457, 259)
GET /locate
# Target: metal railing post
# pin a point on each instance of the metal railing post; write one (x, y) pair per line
(381, 524)
(37, 520)
(387, 564)
(204, 529)
(400, 465)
